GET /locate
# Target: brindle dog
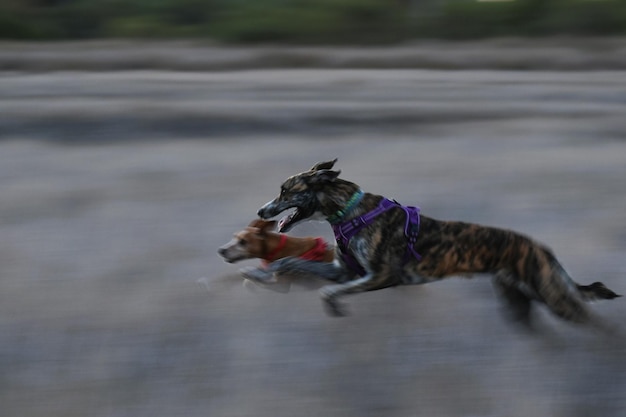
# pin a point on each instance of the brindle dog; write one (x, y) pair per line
(523, 270)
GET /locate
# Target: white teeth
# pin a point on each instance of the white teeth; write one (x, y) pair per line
(285, 220)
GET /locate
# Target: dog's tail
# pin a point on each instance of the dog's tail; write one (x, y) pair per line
(596, 291)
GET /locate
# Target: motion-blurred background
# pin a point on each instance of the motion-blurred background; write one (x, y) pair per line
(136, 136)
(321, 21)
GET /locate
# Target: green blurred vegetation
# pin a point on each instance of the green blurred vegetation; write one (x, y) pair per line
(308, 21)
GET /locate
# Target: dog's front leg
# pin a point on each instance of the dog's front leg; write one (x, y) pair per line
(293, 265)
(330, 294)
(260, 275)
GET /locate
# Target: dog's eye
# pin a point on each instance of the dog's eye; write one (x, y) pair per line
(283, 191)
(243, 242)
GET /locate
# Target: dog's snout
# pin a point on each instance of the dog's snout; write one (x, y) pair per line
(221, 251)
(264, 212)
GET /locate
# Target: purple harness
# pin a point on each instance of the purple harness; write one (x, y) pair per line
(346, 231)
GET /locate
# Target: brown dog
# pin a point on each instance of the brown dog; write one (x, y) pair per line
(258, 240)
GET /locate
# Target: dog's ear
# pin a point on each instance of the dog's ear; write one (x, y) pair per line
(257, 223)
(263, 225)
(323, 165)
(322, 176)
(268, 226)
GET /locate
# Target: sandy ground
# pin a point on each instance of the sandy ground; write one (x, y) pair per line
(117, 189)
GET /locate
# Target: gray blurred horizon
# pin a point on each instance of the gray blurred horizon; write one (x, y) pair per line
(118, 186)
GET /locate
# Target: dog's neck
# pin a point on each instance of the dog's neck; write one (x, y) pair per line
(346, 200)
(278, 246)
(349, 206)
(274, 244)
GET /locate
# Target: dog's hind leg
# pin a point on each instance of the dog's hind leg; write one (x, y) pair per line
(539, 271)
(559, 293)
(516, 303)
(330, 294)
(571, 308)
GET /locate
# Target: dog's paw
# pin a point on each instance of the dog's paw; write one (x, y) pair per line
(256, 287)
(258, 275)
(250, 286)
(332, 306)
(256, 278)
(335, 309)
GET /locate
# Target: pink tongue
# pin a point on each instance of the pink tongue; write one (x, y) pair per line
(283, 221)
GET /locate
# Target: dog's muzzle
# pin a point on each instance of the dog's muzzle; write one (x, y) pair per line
(230, 256)
(267, 211)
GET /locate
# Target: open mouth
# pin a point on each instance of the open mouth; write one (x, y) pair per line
(290, 219)
(297, 211)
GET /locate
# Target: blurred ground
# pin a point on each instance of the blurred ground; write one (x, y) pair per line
(117, 189)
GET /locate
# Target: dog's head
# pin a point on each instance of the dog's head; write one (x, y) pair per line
(248, 243)
(301, 192)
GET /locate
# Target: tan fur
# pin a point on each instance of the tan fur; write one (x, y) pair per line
(258, 240)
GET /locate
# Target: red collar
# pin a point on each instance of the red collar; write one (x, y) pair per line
(281, 245)
(317, 253)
